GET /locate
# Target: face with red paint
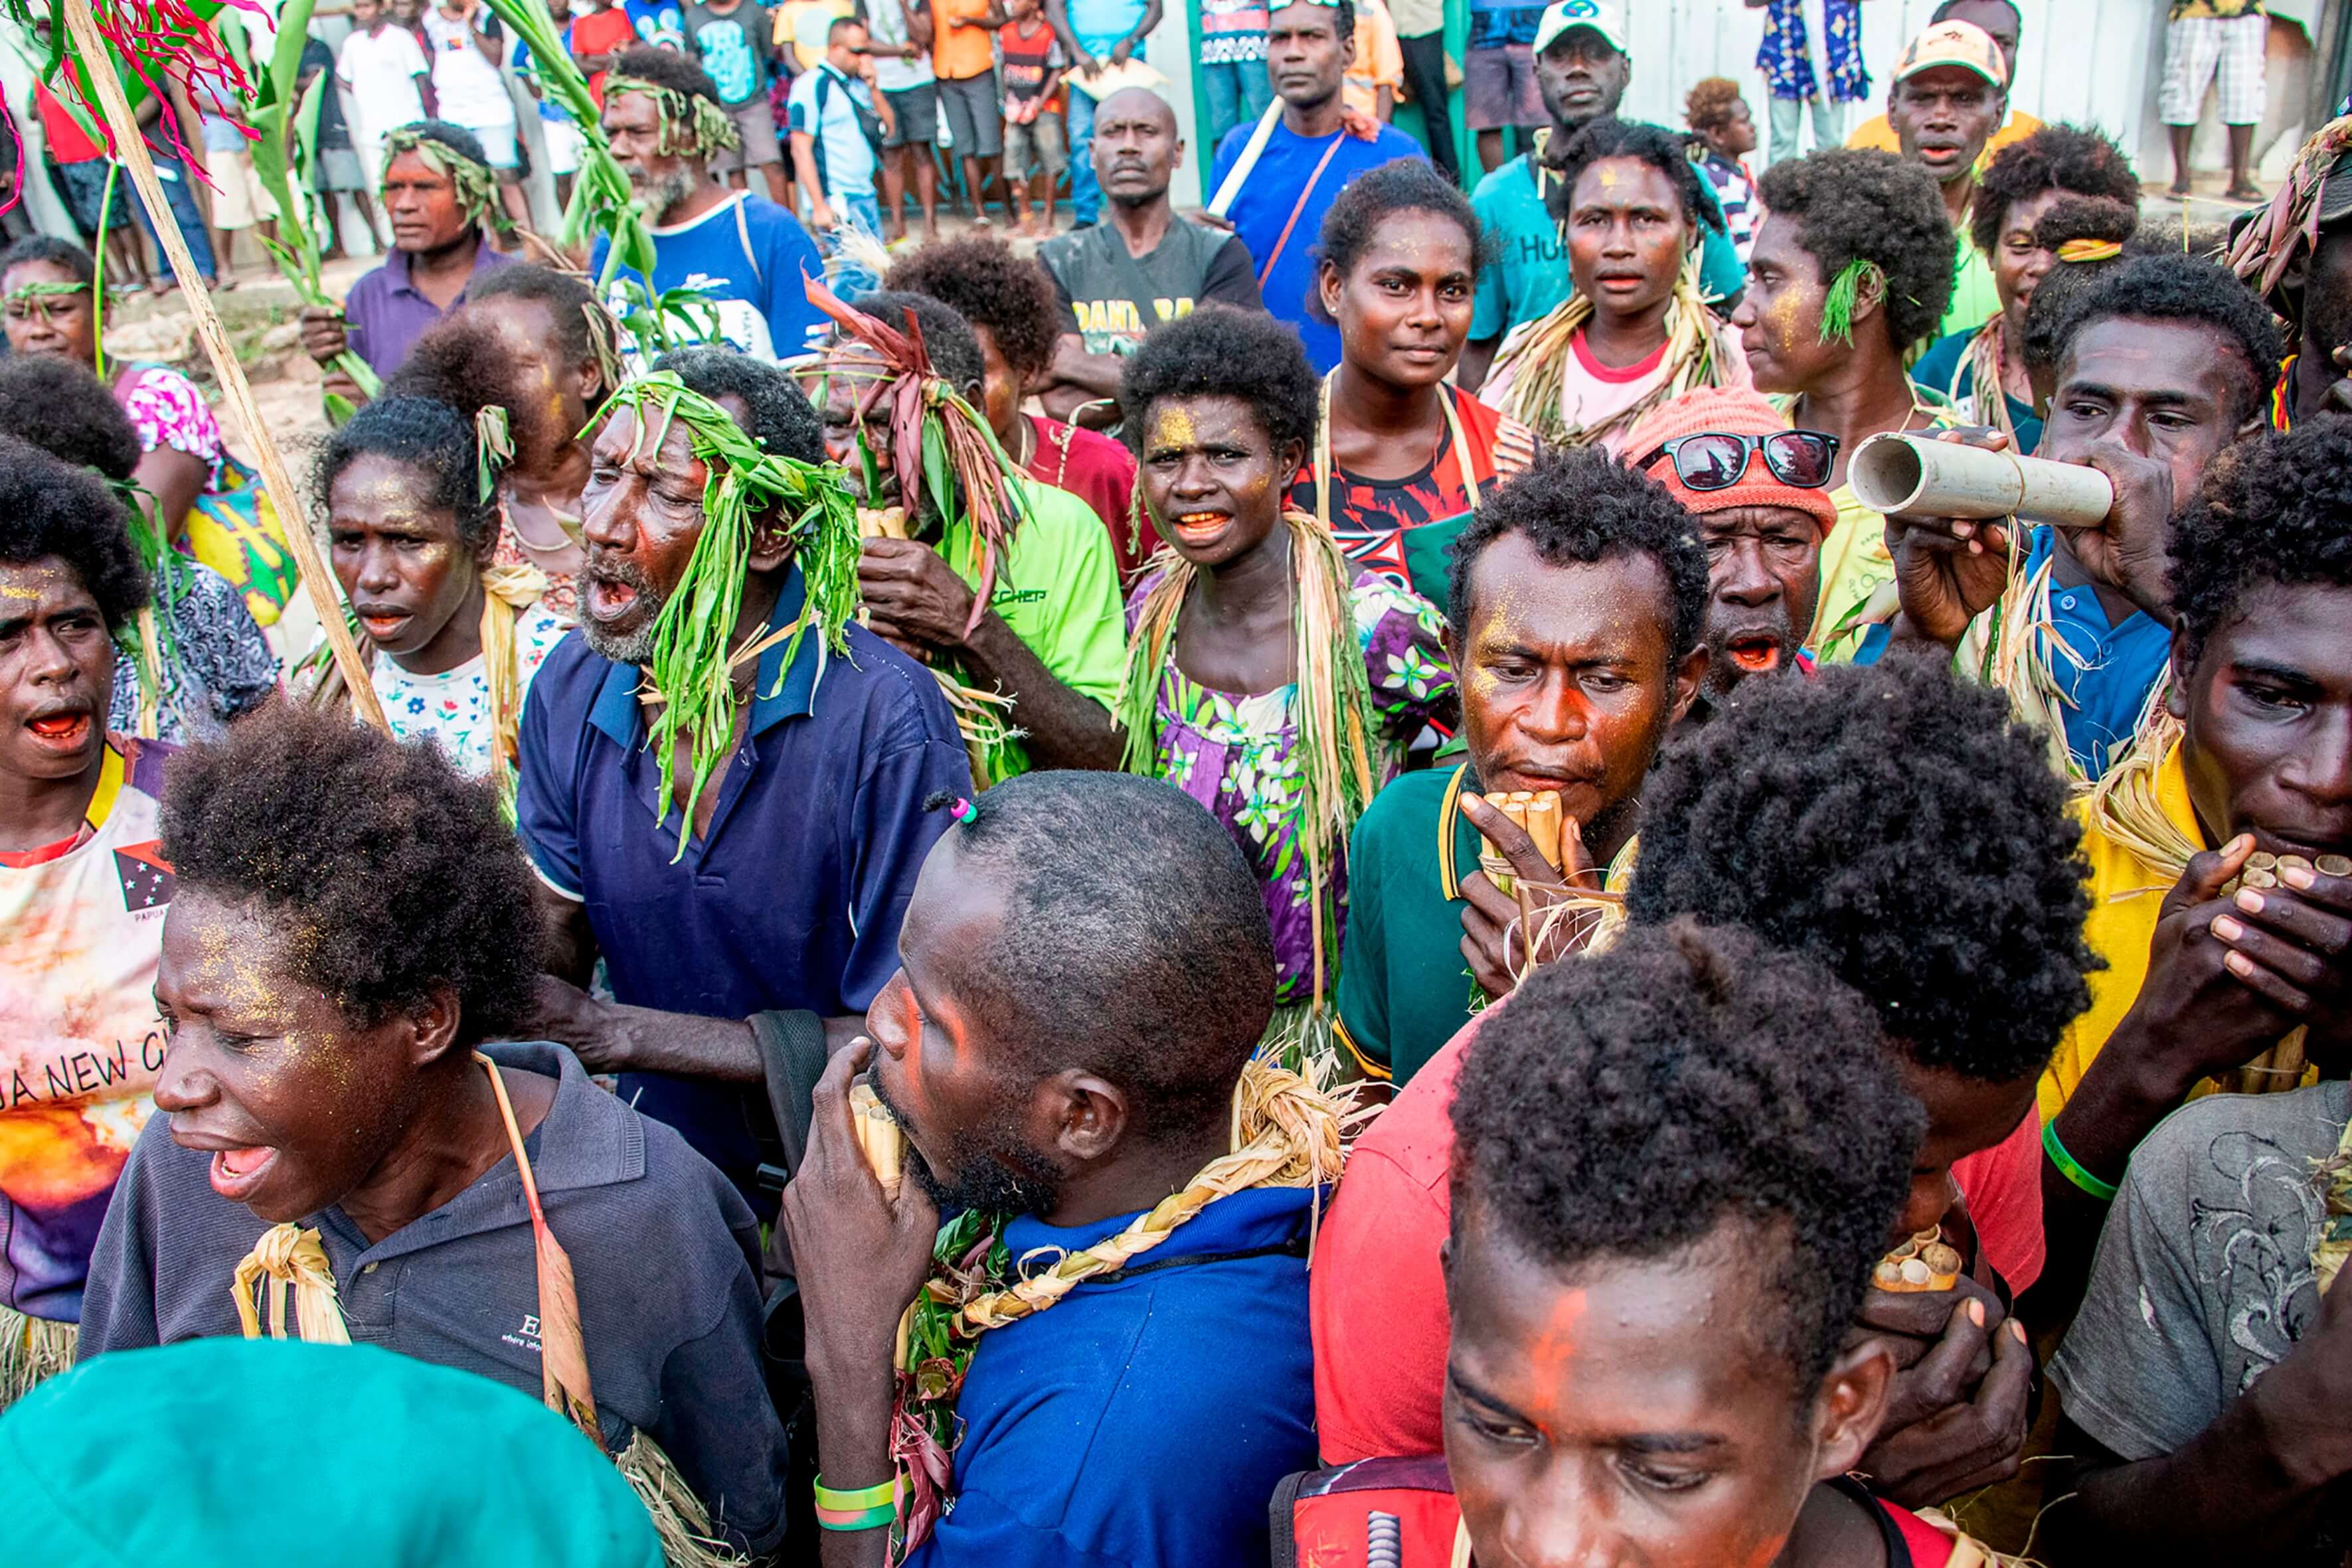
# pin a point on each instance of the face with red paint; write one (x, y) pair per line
(1569, 678)
(984, 1129)
(1635, 1410)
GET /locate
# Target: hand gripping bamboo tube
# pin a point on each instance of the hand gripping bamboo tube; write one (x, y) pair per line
(1917, 475)
(1537, 811)
(878, 1137)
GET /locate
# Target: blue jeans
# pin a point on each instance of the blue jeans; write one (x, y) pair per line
(1086, 191)
(864, 212)
(84, 190)
(1237, 92)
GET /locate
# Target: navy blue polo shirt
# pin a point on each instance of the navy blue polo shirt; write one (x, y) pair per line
(794, 899)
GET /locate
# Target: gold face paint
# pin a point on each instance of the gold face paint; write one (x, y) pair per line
(1172, 430)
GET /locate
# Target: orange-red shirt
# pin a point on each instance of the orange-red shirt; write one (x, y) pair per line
(959, 54)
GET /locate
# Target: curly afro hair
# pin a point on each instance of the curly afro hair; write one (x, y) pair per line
(1870, 206)
(2270, 513)
(2054, 158)
(433, 441)
(983, 281)
(1134, 941)
(1407, 186)
(50, 508)
(1710, 103)
(1663, 149)
(61, 407)
(1582, 505)
(1896, 824)
(1686, 1081)
(1218, 351)
(667, 68)
(2189, 289)
(783, 420)
(955, 353)
(1341, 12)
(2071, 218)
(389, 873)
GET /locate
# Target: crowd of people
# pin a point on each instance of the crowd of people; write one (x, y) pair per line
(1297, 884)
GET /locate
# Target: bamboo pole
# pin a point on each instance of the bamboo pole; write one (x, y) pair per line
(98, 63)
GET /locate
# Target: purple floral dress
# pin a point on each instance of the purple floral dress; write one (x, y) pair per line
(1236, 755)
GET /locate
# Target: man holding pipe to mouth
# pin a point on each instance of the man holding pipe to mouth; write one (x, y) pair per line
(1577, 617)
(2162, 366)
(740, 938)
(83, 891)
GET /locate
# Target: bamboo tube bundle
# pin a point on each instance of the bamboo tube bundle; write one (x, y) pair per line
(2282, 1066)
(1926, 1262)
(1537, 811)
(879, 1138)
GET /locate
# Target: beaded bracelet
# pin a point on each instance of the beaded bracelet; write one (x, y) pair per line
(2072, 1168)
(867, 1508)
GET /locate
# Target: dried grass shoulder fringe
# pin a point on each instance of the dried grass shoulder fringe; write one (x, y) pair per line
(289, 1266)
(32, 1350)
(1536, 356)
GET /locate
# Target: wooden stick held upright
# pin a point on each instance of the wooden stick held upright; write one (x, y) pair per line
(98, 62)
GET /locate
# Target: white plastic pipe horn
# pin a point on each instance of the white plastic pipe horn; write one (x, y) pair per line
(1918, 476)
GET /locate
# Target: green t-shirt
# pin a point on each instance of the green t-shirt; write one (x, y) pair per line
(1975, 298)
(1058, 590)
(1528, 275)
(1404, 990)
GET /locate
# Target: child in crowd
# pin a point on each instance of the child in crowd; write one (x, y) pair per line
(1032, 66)
(1725, 133)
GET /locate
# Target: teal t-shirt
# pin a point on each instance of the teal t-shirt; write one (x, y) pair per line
(1404, 990)
(1529, 274)
(1945, 368)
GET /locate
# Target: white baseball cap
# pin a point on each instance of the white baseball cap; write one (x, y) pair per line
(1606, 17)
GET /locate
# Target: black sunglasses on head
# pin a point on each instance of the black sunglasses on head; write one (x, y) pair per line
(1715, 459)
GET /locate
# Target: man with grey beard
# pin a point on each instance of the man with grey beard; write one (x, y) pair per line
(745, 257)
(742, 943)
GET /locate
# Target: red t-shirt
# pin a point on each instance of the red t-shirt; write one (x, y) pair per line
(1101, 473)
(599, 32)
(1376, 1295)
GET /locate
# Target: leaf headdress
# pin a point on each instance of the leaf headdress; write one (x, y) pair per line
(476, 182)
(691, 672)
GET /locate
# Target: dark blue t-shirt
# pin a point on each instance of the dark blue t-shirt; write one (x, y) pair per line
(1271, 193)
(794, 899)
(749, 255)
(1142, 1422)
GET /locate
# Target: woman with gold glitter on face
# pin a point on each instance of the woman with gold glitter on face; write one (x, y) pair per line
(1270, 678)
(1852, 268)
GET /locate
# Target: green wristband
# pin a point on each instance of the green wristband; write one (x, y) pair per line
(2072, 1168)
(879, 1495)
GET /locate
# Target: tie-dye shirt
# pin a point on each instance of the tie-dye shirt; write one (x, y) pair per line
(82, 922)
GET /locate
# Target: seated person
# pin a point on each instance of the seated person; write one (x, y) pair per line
(353, 923)
(1675, 1165)
(1578, 602)
(1819, 813)
(745, 918)
(1763, 518)
(82, 897)
(207, 661)
(1069, 1052)
(1050, 635)
(2248, 986)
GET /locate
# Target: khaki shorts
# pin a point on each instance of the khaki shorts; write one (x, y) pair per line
(755, 128)
(239, 199)
(1035, 146)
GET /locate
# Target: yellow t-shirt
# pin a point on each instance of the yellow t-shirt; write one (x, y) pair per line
(2126, 898)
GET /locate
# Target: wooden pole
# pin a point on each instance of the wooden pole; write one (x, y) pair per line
(98, 63)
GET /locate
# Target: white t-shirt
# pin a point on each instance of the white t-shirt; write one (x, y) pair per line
(381, 69)
(453, 708)
(465, 85)
(886, 26)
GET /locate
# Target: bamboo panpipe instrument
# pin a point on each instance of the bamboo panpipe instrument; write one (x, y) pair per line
(2282, 1066)
(1920, 476)
(1537, 811)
